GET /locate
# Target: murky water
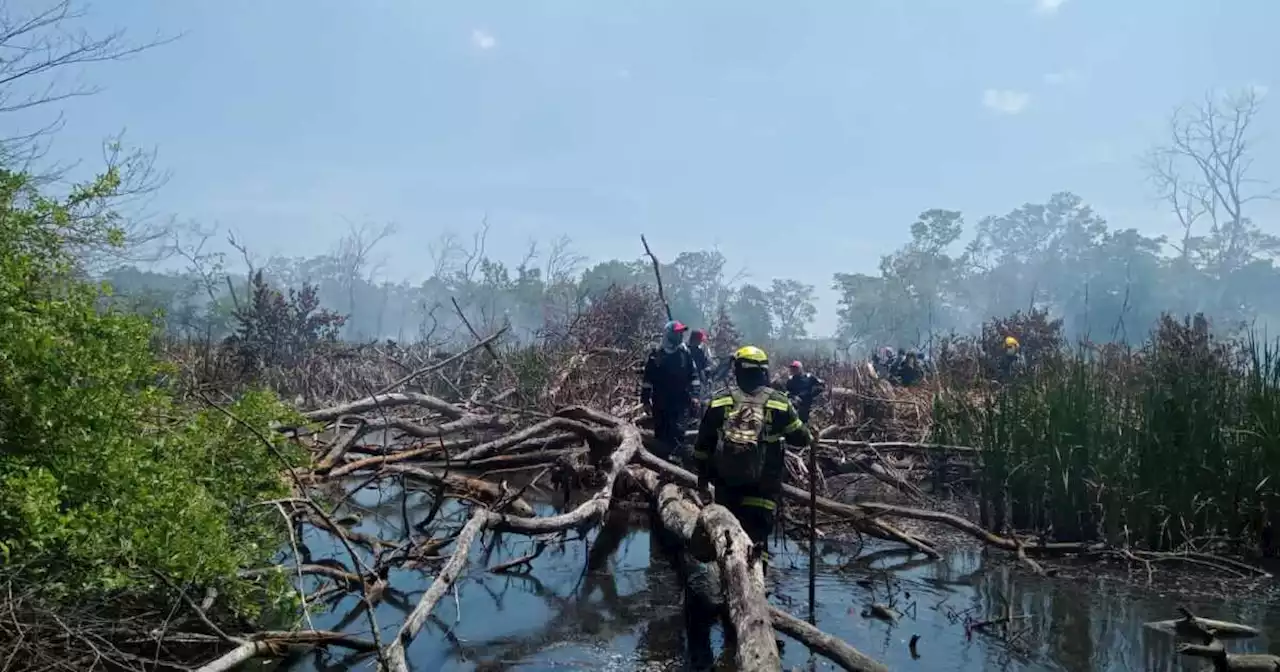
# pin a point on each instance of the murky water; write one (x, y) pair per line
(627, 615)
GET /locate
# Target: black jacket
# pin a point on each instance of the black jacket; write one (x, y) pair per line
(805, 387)
(781, 423)
(669, 377)
(701, 360)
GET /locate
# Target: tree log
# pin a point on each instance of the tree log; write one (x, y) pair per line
(271, 644)
(859, 517)
(743, 579)
(340, 446)
(682, 518)
(1191, 625)
(834, 648)
(398, 456)
(475, 488)
(387, 401)
(588, 513)
(416, 430)
(393, 654)
(531, 432)
(900, 445)
(511, 461)
(1231, 662)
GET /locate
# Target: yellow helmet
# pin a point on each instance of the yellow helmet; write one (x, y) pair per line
(749, 356)
(1010, 342)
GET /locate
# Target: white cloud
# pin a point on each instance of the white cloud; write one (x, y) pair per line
(483, 39)
(1049, 7)
(1062, 77)
(1005, 101)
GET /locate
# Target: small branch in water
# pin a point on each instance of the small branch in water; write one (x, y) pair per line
(522, 561)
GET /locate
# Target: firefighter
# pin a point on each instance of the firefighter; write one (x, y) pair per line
(669, 389)
(701, 358)
(1011, 360)
(803, 388)
(739, 447)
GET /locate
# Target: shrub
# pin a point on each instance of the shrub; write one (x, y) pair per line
(103, 478)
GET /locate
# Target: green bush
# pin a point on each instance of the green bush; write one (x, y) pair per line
(103, 478)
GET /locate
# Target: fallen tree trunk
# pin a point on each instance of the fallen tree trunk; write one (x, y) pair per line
(1191, 625)
(511, 461)
(1025, 548)
(903, 446)
(271, 644)
(879, 468)
(390, 458)
(866, 523)
(340, 446)
(482, 491)
(470, 422)
(834, 648)
(393, 654)
(743, 578)
(530, 433)
(1231, 662)
(588, 513)
(683, 519)
(385, 402)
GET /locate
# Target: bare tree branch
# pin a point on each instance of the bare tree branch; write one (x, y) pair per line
(36, 46)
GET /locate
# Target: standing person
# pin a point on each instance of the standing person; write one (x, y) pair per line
(911, 371)
(669, 388)
(803, 388)
(739, 447)
(1011, 362)
(884, 362)
(701, 359)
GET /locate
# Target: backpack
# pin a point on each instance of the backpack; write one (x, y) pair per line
(740, 456)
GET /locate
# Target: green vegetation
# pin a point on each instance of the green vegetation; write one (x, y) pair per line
(104, 479)
(1171, 444)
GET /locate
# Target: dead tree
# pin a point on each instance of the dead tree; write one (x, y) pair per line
(1205, 174)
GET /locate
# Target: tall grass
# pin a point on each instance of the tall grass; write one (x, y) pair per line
(1173, 444)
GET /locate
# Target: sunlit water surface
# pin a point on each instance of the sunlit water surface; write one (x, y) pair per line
(627, 615)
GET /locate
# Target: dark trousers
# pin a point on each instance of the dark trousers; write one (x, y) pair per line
(802, 410)
(668, 428)
(756, 511)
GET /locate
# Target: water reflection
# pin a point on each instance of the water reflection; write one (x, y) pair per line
(613, 601)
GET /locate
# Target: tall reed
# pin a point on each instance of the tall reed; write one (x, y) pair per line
(1172, 444)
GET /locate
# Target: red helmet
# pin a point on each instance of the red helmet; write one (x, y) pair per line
(795, 364)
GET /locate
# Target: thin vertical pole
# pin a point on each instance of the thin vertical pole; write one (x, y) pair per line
(813, 532)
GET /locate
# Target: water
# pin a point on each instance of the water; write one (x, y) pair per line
(627, 615)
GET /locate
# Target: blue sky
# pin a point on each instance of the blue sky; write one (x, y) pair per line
(801, 139)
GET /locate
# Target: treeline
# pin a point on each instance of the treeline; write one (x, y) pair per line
(1106, 283)
(544, 291)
